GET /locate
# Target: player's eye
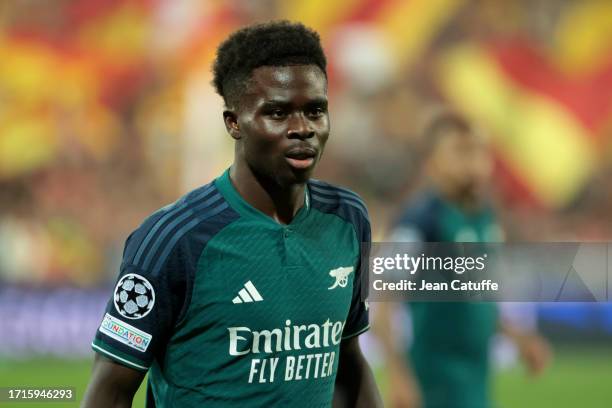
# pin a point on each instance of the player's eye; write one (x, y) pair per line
(316, 112)
(277, 113)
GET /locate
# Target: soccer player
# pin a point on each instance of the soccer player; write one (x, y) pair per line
(447, 365)
(247, 291)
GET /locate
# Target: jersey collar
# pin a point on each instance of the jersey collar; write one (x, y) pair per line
(233, 197)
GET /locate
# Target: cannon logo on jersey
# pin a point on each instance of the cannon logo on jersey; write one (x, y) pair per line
(341, 275)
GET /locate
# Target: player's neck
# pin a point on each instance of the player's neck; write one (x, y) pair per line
(279, 203)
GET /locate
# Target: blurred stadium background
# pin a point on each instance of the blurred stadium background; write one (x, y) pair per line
(106, 113)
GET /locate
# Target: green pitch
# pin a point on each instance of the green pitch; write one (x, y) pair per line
(577, 378)
(50, 372)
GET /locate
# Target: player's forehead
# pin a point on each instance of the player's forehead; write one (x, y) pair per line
(286, 83)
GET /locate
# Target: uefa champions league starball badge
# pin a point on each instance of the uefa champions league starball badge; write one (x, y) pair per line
(134, 296)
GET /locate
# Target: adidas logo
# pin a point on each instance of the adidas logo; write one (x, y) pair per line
(247, 294)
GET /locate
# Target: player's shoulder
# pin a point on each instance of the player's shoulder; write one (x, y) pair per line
(423, 206)
(202, 208)
(205, 200)
(333, 198)
(419, 217)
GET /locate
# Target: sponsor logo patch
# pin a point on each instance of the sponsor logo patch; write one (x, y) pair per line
(248, 294)
(134, 296)
(125, 333)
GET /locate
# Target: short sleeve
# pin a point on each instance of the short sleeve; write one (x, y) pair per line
(418, 222)
(357, 321)
(350, 207)
(142, 310)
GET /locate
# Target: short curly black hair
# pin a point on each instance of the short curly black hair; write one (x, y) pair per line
(276, 43)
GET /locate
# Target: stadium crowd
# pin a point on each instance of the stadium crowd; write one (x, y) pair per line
(107, 113)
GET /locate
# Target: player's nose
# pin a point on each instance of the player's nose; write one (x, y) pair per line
(299, 127)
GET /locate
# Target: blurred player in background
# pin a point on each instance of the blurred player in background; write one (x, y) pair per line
(447, 365)
(246, 292)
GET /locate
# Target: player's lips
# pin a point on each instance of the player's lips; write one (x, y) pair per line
(301, 157)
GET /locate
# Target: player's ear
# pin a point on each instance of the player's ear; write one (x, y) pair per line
(231, 123)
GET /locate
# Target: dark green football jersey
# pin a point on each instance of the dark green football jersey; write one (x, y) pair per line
(450, 351)
(226, 307)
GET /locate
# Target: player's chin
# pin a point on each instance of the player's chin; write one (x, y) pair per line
(297, 176)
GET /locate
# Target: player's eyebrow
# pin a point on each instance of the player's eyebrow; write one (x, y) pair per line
(276, 103)
(318, 102)
(283, 103)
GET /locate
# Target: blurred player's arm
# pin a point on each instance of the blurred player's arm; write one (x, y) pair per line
(112, 385)
(355, 379)
(403, 389)
(534, 350)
